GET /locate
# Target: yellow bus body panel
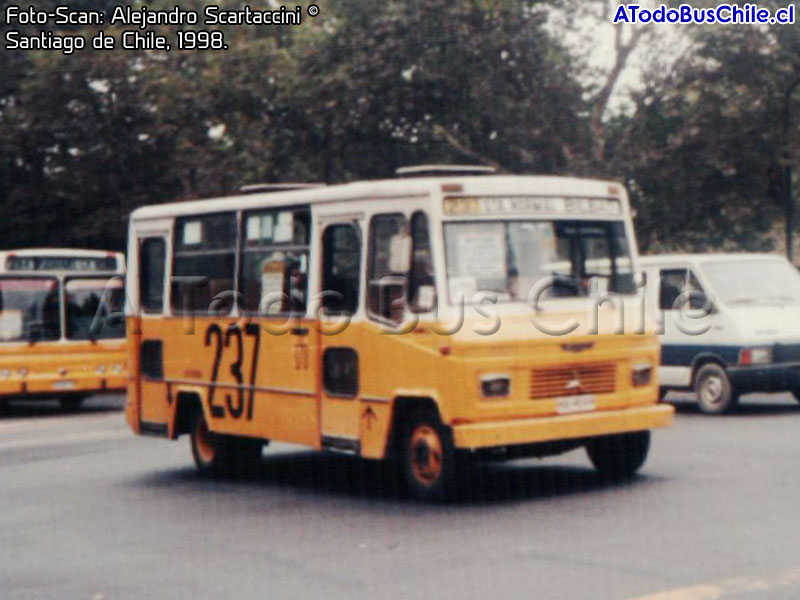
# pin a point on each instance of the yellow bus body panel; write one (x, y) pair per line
(53, 368)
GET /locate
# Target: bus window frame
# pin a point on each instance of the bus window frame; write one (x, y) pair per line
(378, 318)
(173, 255)
(289, 247)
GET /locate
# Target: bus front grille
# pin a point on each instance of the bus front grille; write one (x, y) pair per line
(598, 378)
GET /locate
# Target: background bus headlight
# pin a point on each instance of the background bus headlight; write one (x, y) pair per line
(5, 373)
(495, 386)
(755, 356)
(641, 374)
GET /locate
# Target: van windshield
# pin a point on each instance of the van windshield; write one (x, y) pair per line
(509, 258)
(754, 282)
(30, 309)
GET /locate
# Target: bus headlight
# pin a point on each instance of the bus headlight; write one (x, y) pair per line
(117, 368)
(5, 373)
(641, 374)
(755, 356)
(495, 386)
(101, 369)
(23, 372)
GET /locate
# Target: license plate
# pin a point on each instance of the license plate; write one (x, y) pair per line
(67, 384)
(574, 404)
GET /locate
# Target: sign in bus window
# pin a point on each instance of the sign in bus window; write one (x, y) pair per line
(29, 310)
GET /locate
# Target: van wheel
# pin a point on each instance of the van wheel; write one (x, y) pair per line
(71, 404)
(428, 457)
(796, 393)
(619, 456)
(713, 389)
(221, 455)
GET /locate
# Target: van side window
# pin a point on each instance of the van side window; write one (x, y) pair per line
(341, 267)
(203, 269)
(275, 261)
(152, 266)
(421, 286)
(676, 282)
(389, 253)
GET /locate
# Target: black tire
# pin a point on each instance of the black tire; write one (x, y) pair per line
(221, 455)
(428, 457)
(71, 404)
(714, 391)
(619, 456)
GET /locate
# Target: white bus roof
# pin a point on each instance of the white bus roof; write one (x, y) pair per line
(659, 259)
(386, 189)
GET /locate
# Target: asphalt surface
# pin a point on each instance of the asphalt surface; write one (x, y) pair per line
(89, 511)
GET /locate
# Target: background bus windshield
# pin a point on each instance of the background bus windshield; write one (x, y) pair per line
(510, 257)
(29, 310)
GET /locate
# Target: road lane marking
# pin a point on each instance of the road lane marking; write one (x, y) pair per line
(75, 438)
(721, 589)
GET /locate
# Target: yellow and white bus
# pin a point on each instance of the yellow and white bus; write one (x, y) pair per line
(62, 325)
(394, 319)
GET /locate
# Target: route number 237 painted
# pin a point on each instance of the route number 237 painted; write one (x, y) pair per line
(231, 341)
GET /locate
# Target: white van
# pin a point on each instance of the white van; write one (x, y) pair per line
(730, 324)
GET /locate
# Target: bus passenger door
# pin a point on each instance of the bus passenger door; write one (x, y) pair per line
(148, 389)
(340, 287)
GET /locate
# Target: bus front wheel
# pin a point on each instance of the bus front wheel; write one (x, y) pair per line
(428, 457)
(619, 456)
(220, 455)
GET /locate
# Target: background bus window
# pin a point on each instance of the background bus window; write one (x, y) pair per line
(29, 310)
(152, 267)
(340, 269)
(95, 309)
(275, 261)
(387, 279)
(203, 271)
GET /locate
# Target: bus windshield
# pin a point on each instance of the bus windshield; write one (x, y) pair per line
(29, 309)
(508, 258)
(94, 308)
(754, 282)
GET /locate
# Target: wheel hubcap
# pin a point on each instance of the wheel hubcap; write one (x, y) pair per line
(711, 390)
(426, 454)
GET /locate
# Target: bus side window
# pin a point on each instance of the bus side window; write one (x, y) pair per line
(152, 266)
(421, 285)
(275, 261)
(341, 267)
(388, 266)
(203, 270)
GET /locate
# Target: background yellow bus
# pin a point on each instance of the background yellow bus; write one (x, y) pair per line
(392, 319)
(62, 327)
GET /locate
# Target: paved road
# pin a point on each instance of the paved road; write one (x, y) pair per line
(87, 511)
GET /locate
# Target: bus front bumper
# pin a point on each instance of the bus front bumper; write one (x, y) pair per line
(582, 425)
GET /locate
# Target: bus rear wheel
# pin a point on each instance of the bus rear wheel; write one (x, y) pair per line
(428, 457)
(619, 456)
(222, 455)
